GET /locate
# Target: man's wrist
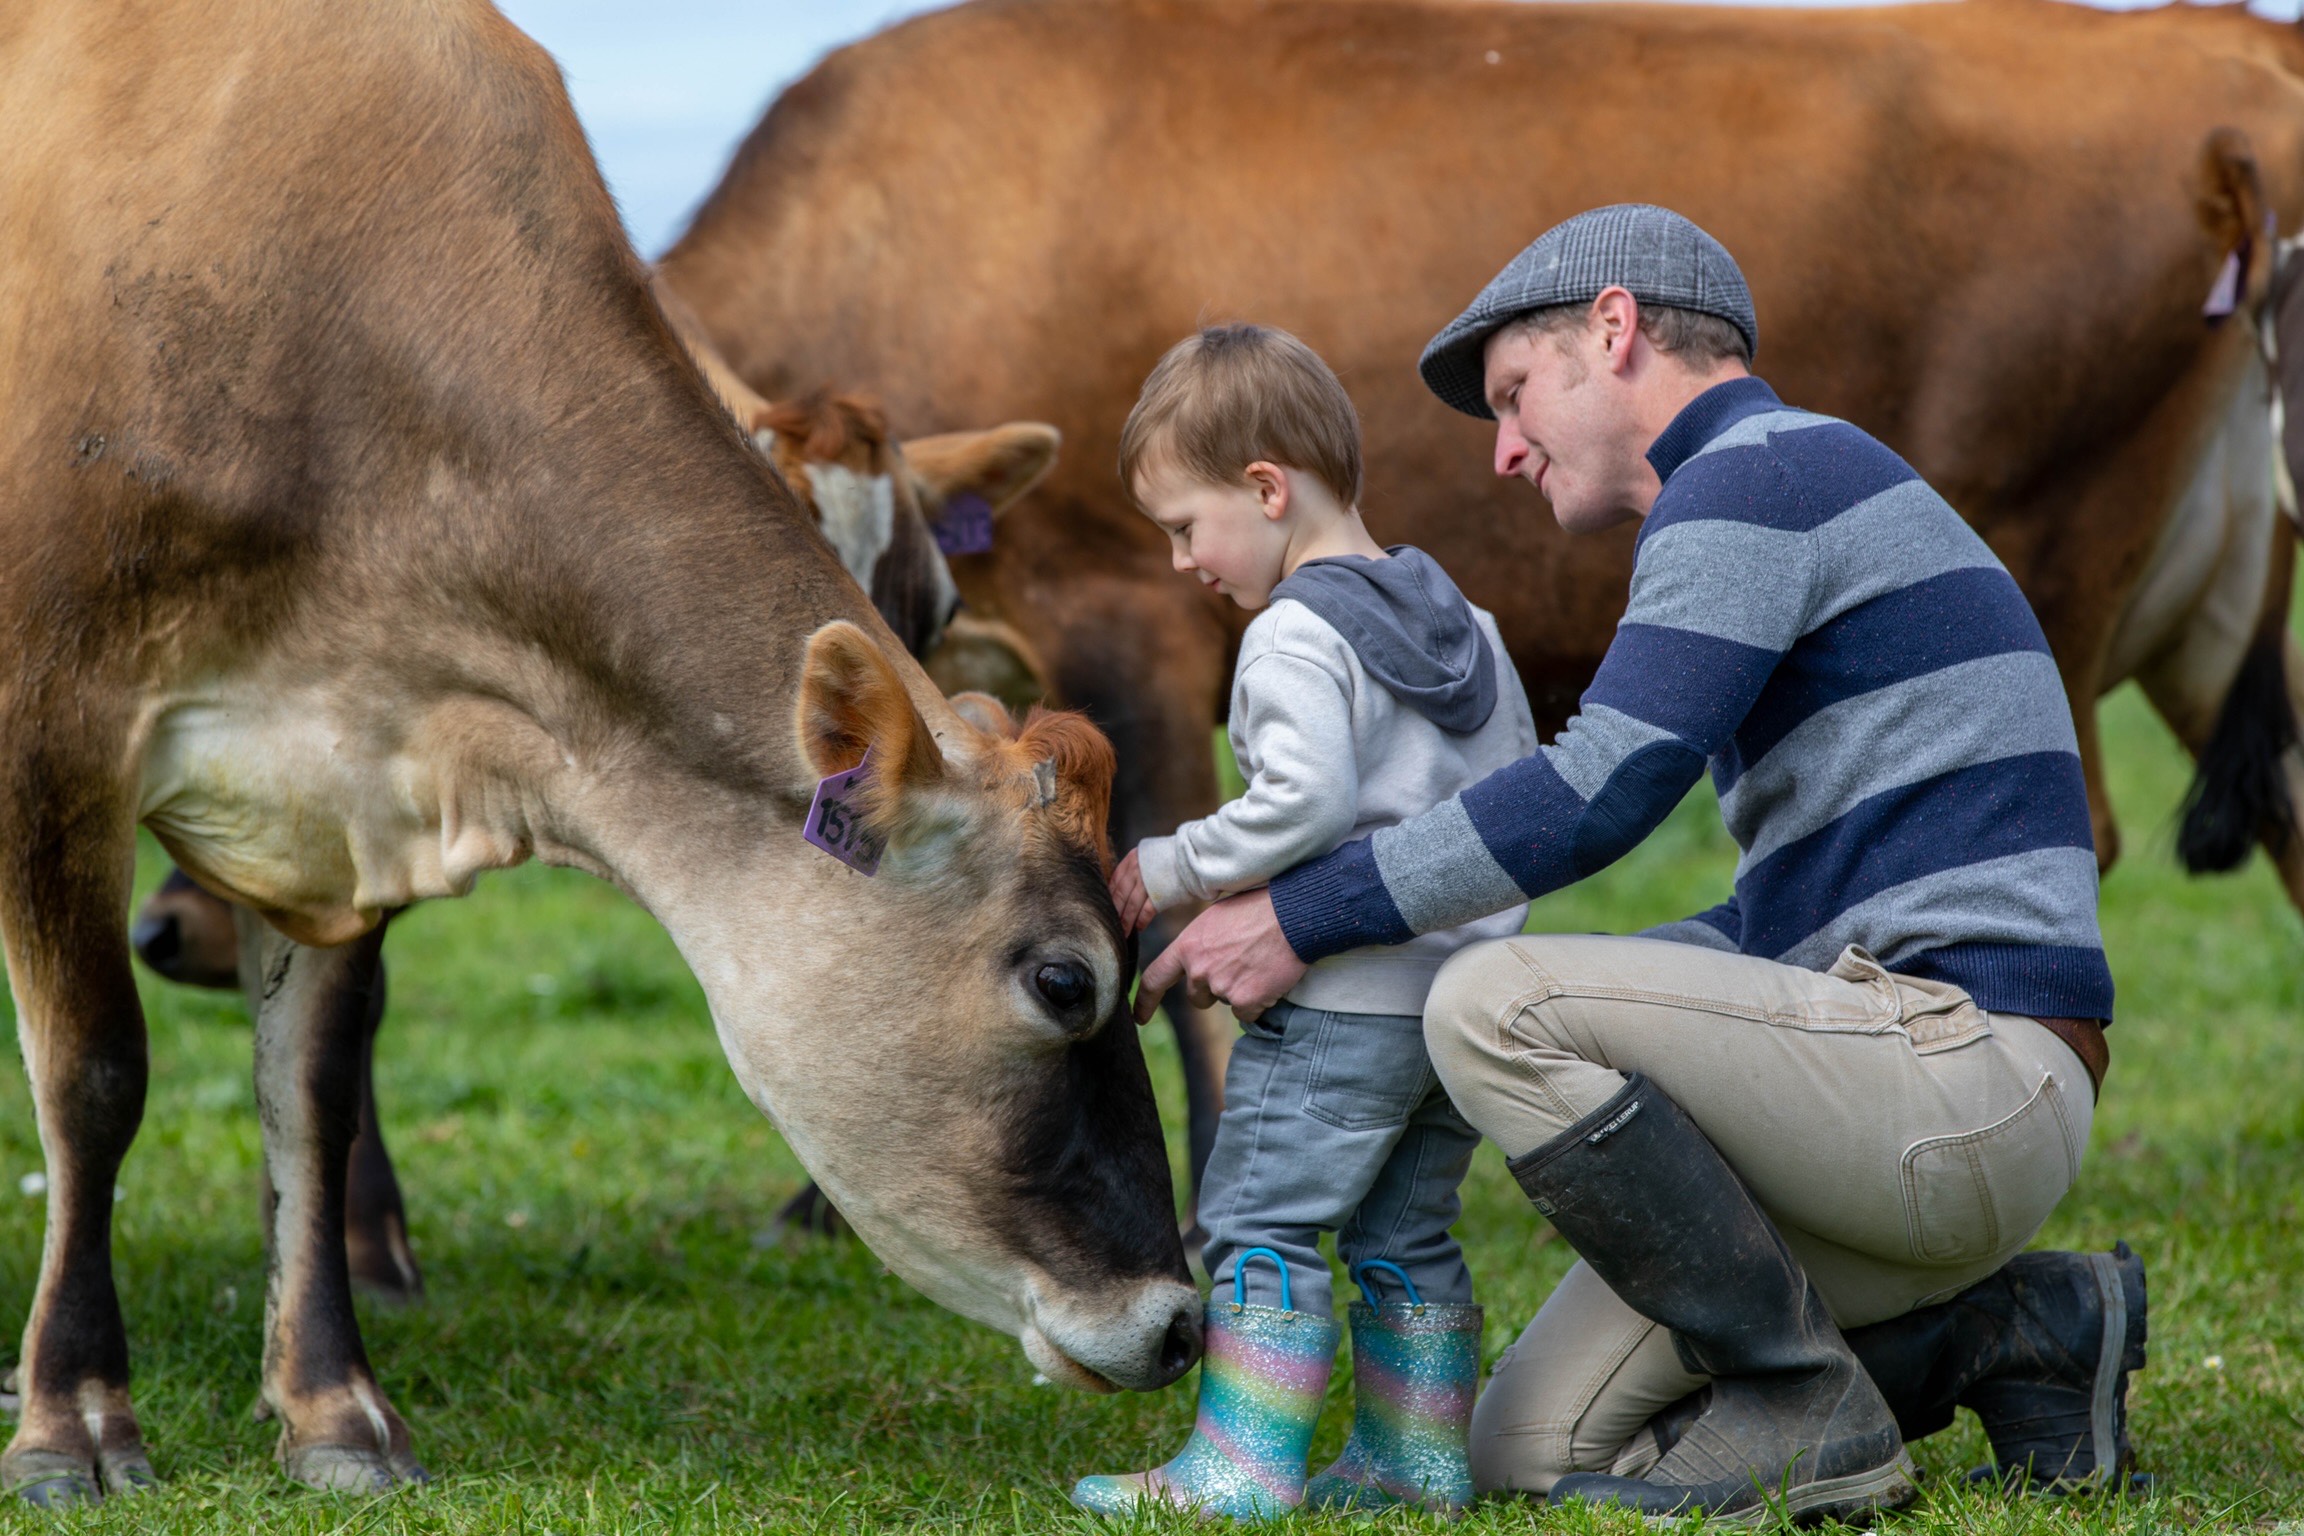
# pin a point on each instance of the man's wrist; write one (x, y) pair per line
(1335, 903)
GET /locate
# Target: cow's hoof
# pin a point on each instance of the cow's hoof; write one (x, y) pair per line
(809, 1213)
(130, 1473)
(49, 1479)
(351, 1469)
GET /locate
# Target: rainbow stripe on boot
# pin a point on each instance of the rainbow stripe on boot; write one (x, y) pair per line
(1262, 1380)
(1415, 1371)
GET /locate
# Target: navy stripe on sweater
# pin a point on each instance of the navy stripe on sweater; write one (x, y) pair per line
(1791, 566)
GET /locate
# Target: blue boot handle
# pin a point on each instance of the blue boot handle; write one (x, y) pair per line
(1360, 1278)
(1287, 1300)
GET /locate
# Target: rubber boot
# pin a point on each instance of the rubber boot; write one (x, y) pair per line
(2041, 1351)
(1415, 1371)
(1793, 1426)
(1263, 1377)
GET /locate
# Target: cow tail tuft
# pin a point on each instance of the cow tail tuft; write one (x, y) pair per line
(2239, 792)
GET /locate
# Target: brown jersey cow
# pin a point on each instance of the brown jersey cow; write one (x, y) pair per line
(1983, 232)
(363, 527)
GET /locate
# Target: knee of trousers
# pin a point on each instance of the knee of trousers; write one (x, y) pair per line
(1494, 1035)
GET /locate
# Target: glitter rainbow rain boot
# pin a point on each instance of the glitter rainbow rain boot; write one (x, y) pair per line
(1415, 1369)
(1262, 1380)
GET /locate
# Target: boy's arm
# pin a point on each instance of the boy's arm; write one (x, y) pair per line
(1715, 604)
(1303, 800)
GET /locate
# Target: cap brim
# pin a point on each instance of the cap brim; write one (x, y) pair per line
(1455, 367)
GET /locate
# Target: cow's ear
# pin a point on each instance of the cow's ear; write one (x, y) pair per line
(999, 465)
(852, 701)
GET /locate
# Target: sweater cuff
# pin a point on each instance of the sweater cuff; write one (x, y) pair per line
(1163, 881)
(1337, 902)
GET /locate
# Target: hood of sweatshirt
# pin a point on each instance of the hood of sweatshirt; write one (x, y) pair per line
(1410, 627)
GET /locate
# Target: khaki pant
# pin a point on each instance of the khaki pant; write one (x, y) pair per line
(1905, 1141)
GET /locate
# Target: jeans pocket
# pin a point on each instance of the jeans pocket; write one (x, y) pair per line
(1369, 1071)
(1970, 1196)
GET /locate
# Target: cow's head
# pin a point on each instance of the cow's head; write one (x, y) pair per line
(878, 502)
(975, 1101)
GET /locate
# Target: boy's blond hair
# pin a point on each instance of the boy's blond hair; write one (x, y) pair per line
(1233, 394)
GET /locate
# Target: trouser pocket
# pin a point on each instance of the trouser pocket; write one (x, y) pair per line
(1369, 1071)
(1971, 1196)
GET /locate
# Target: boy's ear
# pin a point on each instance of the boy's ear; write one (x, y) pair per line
(1272, 489)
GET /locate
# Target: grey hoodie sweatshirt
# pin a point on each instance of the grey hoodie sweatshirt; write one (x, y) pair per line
(1337, 739)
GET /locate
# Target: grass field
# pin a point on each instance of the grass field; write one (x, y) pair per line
(612, 1345)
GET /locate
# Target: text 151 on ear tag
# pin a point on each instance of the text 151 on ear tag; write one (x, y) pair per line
(836, 819)
(965, 525)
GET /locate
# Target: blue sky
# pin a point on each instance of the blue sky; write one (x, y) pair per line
(667, 90)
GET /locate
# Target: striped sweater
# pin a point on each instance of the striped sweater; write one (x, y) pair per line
(1877, 704)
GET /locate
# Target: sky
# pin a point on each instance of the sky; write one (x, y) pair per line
(668, 89)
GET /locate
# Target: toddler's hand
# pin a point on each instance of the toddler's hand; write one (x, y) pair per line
(1129, 895)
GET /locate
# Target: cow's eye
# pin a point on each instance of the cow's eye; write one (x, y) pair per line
(1064, 985)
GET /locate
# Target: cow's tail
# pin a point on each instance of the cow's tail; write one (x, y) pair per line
(2239, 792)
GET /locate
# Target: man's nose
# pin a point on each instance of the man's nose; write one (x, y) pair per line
(1511, 449)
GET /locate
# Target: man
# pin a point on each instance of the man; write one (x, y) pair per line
(1849, 1095)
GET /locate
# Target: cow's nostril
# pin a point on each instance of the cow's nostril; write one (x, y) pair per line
(159, 941)
(1181, 1346)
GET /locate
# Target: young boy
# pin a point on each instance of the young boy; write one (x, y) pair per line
(1367, 691)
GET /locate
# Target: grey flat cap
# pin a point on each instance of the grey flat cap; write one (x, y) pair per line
(1652, 253)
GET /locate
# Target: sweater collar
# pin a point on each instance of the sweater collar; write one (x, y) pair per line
(1705, 418)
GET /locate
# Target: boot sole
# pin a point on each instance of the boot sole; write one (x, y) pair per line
(1891, 1486)
(1839, 1498)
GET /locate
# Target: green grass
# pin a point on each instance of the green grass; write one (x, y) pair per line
(610, 1345)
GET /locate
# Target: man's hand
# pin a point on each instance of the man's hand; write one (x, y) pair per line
(1129, 895)
(1232, 953)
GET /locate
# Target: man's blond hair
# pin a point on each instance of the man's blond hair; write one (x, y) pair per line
(1230, 395)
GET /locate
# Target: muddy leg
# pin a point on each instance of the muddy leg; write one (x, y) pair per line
(81, 1031)
(337, 1430)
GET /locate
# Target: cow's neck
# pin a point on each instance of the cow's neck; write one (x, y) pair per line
(591, 664)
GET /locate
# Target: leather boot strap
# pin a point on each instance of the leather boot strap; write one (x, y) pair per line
(2086, 1037)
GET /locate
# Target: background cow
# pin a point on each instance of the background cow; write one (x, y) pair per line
(1984, 232)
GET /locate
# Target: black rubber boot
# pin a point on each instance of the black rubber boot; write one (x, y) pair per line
(1792, 1427)
(2041, 1351)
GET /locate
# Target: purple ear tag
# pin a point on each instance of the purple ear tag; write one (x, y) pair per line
(2225, 296)
(836, 819)
(965, 526)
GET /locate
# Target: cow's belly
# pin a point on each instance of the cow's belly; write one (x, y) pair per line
(2189, 620)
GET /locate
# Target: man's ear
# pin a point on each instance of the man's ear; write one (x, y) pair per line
(999, 465)
(1616, 318)
(852, 701)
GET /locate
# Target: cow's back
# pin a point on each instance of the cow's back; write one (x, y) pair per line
(1013, 207)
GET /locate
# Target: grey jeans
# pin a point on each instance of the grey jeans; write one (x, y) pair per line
(1335, 1122)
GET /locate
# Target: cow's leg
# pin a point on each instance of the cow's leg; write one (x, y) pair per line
(336, 1428)
(375, 1221)
(63, 899)
(1149, 665)
(2101, 821)
(383, 1263)
(1204, 1048)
